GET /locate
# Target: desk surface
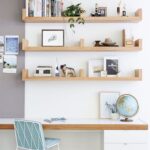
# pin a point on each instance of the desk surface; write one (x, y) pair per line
(83, 124)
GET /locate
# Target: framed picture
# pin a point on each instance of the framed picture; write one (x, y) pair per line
(10, 64)
(102, 11)
(111, 66)
(53, 38)
(12, 44)
(95, 67)
(2, 41)
(107, 98)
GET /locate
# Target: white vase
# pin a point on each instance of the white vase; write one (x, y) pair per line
(115, 116)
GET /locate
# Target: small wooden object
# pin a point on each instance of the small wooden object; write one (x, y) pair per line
(81, 73)
(127, 42)
(81, 43)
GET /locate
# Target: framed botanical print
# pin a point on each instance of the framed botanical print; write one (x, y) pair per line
(108, 103)
(52, 38)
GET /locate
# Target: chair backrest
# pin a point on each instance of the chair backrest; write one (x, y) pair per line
(29, 135)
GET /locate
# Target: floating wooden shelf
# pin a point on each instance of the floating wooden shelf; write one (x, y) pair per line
(108, 19)
(137, 77)
(26, 47)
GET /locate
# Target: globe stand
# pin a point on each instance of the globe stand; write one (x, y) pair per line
(126, 120)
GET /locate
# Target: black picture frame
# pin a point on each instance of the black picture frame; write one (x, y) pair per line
(111, 66)
(102, 11)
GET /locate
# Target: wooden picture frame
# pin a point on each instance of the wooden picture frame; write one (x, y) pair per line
(53, 38)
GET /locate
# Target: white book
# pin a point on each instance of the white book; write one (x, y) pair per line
(27, 7)
(38, 8)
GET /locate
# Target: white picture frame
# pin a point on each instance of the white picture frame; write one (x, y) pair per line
(107, 97)
(53, 38)
(95, 66)
(11, 44)
(111, 66)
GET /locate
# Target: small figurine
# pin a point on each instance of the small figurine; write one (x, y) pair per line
(57, 72)
(124, 13)
(67, 72)
(96, 9)
(119, 8)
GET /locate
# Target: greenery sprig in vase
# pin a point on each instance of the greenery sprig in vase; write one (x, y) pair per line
(74, 12)
(113, 110)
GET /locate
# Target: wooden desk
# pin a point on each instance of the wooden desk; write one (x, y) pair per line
(83, 124)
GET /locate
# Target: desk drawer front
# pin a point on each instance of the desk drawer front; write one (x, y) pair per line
(125, 136)
(125, 147)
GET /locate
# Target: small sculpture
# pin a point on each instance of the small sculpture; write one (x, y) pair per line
(57, 70)
(68, 72)
(124, 13)
(119, 8)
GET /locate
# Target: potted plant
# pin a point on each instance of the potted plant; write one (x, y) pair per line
(74, 12)
(113, 110)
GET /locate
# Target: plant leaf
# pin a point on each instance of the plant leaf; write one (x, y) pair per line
(72, 25)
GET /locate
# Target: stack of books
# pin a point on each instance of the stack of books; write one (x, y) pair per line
(44, 8)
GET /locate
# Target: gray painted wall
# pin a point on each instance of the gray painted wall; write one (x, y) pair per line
(11, 86)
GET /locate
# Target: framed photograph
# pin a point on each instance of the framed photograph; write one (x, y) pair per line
(10, 64)
(111, 66)
(102, 11)
(95, 67)
(2, 41)
(52, 38)
(1, 57)
(12, 44)
(107, 98)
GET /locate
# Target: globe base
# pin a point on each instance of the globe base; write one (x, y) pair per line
(126, 120)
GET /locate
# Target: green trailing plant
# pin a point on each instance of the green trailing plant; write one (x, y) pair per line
(74, 13)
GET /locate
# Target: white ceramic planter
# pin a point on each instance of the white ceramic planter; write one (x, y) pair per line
(115, 116)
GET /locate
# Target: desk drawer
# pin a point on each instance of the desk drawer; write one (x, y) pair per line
(125, 136)
(126, 147)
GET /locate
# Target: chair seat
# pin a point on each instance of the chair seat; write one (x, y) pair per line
(50, 142)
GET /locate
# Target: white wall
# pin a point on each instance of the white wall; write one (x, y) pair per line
(79, 99)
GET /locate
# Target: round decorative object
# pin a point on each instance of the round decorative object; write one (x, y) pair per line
(127, 106)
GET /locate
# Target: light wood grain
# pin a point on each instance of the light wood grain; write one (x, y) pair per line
(137, 77)
(85, 126)
(88, 19)
(80, 48)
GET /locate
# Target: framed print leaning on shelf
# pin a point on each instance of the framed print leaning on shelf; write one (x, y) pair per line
(12, 44)
(107, 98)
(95, 66)
(52, 38)
(111, 66)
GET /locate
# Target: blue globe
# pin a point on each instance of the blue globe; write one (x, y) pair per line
(127, 105)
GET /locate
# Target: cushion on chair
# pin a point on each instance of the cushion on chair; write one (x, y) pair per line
(50, 142)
